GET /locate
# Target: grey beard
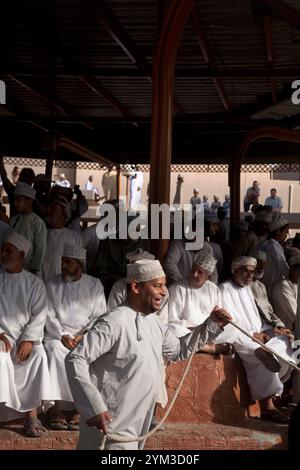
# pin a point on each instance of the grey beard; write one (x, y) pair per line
(68, 278)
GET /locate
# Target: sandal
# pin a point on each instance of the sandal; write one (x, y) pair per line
(274, 416)
(73, 424)
(57, 421)
(34, 428)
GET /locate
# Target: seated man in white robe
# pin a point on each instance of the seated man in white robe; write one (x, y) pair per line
(238, 299)
(192, 300)
(75, 300)
(57, 214)
(114, 372)
(285, 293)
(24, 376)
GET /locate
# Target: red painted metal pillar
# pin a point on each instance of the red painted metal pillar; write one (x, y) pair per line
(162, 108)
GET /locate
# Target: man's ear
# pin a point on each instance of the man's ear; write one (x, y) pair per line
(135, 287)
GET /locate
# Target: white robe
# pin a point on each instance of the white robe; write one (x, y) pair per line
(240, 303)
(284, 301)
(23, 310)
(135, 195)
(179, 261)
(276, 268)
(191, 306)
(56, 239)
(117, 296)
(73, 309)
(117, 367)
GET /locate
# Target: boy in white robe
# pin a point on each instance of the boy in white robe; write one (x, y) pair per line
(24, 377)
(31, 226)
(57, 214)
(238, 299)
(76, 300)
(114, 372)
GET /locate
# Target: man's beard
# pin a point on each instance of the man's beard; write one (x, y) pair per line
(68, 277)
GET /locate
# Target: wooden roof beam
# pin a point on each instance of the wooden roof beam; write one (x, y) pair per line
(269, 50)
(208, 56)
(58, 104)
(123, 39)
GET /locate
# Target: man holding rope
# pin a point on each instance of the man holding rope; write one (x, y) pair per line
(115, 371)
(259, 364)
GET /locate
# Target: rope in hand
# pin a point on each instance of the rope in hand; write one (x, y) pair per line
(120, 439)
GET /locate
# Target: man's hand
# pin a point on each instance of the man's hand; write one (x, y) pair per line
(280, 330)
(6, 342)
(24, 350)
(68, 342)
(78, 338)
(220, 316)
(262, 337)
(100, 421)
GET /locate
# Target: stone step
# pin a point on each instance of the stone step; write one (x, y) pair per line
(251, 434)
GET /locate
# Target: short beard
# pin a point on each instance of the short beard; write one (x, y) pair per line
(68, 278)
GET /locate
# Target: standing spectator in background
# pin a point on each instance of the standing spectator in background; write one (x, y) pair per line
(226, 205)
(136, 185)
(215, 204)
(62, 181)
(195, 200)
(205, 203)
(177, 197)
(15, 175)
(109, 183)
(89, 186)
(252, 195)
(274, 201)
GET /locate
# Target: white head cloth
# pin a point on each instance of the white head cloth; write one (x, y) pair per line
(20, 242)
(144, 270)
(72, 251)
(277, 223)
(243, 261)
(24, 189)
(138, 254)
(205, 261)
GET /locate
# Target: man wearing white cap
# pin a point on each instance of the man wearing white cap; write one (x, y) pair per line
(237, 298)
(31, 226)
(118, 293)
(57, 214)
(24, 375)
(276, 267)
(248, 243)
(285, 294)
(192, 300)
(259, 292)
(75, 301)
(115, 371)
(62, 181)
